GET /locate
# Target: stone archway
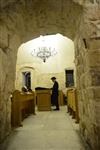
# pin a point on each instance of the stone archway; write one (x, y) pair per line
(77, 19)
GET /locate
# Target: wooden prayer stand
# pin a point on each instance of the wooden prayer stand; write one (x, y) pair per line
(43, 100)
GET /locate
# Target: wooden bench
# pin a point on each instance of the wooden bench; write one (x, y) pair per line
(61, 98)
(23, 104)
(72, 103)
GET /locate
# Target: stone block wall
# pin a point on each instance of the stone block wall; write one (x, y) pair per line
(4, 85)
(29, 20)
(44, 80)
(19, 82)
(87, 53)
(38, 79)
(8, 57)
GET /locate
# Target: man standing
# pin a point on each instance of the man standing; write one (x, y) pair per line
(55, 92)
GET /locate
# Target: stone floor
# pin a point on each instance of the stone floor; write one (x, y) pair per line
(49, 130)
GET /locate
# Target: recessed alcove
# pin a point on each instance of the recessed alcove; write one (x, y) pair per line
(54, 65)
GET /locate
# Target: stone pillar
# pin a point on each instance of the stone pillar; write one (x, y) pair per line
(8, 53)
(87, 55)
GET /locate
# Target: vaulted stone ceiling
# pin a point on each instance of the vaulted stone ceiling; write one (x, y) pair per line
(5, 3)
(31, 18)
(22, 20)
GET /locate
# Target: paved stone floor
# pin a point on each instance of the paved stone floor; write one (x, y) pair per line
(49, 130)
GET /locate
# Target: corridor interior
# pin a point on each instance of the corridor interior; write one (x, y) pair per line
(47, 130)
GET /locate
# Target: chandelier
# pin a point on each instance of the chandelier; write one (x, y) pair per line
(44, 51)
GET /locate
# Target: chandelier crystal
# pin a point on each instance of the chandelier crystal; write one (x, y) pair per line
(44, 51)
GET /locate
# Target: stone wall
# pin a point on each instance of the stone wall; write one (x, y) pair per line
(44, 79)
(21, 21)
(8, 51)
(38, 79)
(87, 45)
(19, 83)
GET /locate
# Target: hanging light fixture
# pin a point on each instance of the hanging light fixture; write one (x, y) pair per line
(44, 51)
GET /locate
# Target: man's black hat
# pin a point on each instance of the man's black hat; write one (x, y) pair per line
(53, 78)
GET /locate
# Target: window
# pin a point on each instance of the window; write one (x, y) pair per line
(69, 78)
(27, 79)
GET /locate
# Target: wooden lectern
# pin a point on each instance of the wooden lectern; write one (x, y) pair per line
(43, 100)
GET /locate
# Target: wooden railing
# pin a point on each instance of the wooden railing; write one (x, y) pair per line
(23, 104)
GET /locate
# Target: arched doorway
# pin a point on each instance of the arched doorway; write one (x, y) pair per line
(54, 65)
(65, 17)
